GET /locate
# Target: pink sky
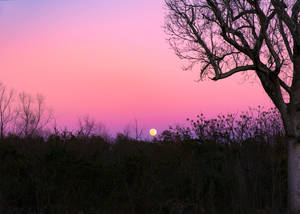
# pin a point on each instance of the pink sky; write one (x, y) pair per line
(110, 60)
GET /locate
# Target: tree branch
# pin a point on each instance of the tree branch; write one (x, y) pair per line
(284, 16)
(284, 86)
(295, 11)
(285, 40)
(233, 71)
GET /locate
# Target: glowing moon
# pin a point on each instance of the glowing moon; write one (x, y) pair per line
(153, 132)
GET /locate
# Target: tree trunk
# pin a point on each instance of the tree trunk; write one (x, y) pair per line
(293, 143)
(293, 131)
(2, 130)
(294, 176)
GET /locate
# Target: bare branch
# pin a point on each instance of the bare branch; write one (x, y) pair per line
(285, 86)
(285, 40)
(233, 71)
(280, 7)
(295, 11)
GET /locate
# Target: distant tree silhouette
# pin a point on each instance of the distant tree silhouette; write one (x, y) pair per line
(90, 127)
(138, 131)
(7, 113)
(226, 37)
(32, 114)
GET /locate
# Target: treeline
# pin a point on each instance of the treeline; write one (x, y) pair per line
(25, 116)
(233, 164)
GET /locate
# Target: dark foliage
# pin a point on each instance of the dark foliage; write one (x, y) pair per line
(200, 169)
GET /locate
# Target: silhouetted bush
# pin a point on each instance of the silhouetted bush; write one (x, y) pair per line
(230, 164)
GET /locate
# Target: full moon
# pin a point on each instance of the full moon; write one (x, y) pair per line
(153, 132)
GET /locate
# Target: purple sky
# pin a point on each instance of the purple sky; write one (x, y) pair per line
(110, 60)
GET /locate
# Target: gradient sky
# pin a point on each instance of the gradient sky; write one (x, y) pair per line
(110, 60)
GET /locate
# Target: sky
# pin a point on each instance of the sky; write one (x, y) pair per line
(109, 60)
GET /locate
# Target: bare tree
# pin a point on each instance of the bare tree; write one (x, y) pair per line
(89, 127)
(6, 108)
(138, 132)
(225, 37)
(32, 114)
(133, 131)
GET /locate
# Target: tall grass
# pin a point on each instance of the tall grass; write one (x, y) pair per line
(230, 164)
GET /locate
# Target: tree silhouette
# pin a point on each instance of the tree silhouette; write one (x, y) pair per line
(225, 37)
(7, 113)
(32, 114)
